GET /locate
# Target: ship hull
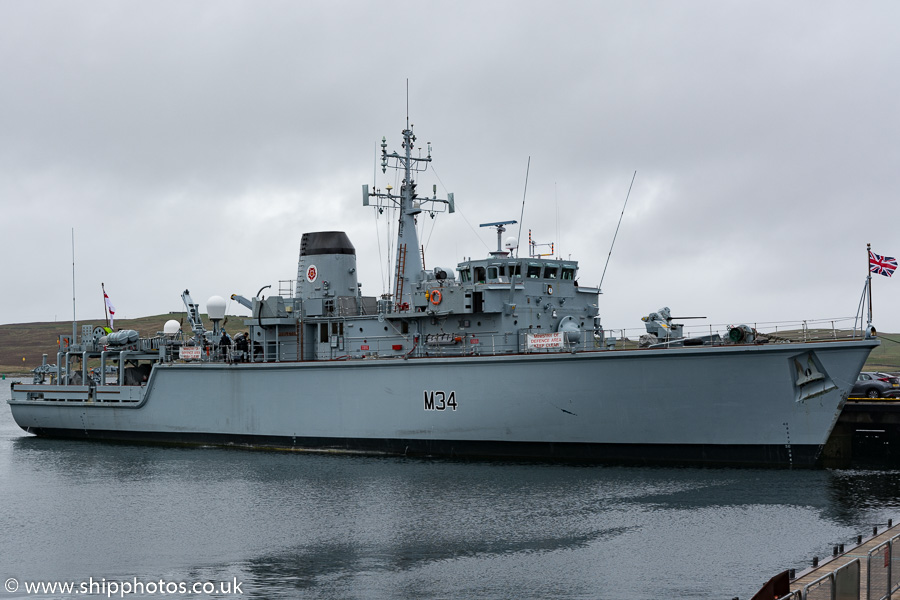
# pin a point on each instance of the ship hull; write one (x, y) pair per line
(741, 405)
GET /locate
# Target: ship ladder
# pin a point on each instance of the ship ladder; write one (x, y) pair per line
(398, 280)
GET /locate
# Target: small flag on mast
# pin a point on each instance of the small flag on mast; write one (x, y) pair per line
(111, 308)
(882, 265)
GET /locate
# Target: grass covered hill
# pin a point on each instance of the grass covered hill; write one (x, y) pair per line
(885, 357)
(29, 341)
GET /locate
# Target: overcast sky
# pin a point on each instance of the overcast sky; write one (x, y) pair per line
(190, 144)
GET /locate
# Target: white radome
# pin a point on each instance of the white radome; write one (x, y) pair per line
(215, 308)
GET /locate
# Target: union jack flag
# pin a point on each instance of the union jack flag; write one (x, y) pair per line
(883, 265)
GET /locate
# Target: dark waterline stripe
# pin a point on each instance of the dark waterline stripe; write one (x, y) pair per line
(747, 455)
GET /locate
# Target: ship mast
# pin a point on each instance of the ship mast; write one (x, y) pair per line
(408, 268)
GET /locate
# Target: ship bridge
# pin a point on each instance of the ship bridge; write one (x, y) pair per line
(501, 270)
(521, 281)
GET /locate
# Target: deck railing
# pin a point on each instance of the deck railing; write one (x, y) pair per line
(464, 343)
(807, 330)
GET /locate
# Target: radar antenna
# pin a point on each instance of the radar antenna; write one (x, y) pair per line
(500, 252)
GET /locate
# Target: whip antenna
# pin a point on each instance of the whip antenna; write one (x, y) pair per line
(617, 230)
(74, 320)
(522, 215)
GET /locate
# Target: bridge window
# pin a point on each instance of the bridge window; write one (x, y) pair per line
(534, 271)
(568, 274)
(479, 274)
(493, 273)
(515, 270)
(465, 275)
(550, 272)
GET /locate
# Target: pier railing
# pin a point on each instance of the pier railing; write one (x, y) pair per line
(868, 571)
(883, 570)
(882, 576)
(836, 585)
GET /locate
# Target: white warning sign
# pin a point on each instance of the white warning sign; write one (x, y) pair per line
(546, 340)
(189, 353)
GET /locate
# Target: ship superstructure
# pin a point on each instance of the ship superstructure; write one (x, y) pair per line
(497, 305)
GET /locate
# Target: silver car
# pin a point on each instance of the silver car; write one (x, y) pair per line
(875, 385)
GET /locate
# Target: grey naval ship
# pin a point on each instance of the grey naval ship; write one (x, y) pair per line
(505, 356)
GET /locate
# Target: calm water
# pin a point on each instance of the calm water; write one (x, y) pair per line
(316, 526)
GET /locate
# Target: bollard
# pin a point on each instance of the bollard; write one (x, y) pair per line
(875, 530)
(841, 546)
(858, 540)
(834, 551)
(890, 523)
(815, 561)
(792, 574)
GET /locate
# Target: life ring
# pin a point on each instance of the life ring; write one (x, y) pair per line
(436, 297)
